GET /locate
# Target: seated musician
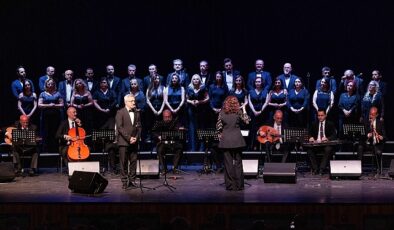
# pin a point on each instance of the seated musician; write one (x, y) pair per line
(376, 136)
(19, 148)
(62, 132)
(163, 146)
(322, 132)
(277, 144)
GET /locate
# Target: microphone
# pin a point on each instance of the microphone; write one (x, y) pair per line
(308, 75)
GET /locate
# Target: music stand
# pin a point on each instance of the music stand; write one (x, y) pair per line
(25, 138)
(354, 131)
(169, 138)
(104, 136)
(208, 136)
(296, 136)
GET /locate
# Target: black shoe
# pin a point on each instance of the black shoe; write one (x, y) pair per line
(32, 172)
(176, 171)
(18, 173)
(133, 184)
(124, 185)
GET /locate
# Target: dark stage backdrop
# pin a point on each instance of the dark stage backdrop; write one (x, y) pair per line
(309, 34)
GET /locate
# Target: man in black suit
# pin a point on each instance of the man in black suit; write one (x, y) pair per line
(376, 136)
(114, 83)
(229, 74)
(27, 147)
(278, 145)
(65, 87)
(62, 132)
(91, 83)
(128, 124)
(320, 132)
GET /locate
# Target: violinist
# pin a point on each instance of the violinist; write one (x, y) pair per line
(320, 132)
(19, 148)
(272, 137)
(376, 136)
(62, 133)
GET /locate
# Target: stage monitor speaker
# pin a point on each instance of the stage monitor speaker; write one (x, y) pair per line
(250, 167)
(87, 182)
(279, 173)
(391, 169)
(148, 168)
(7, 173)
(345, 168)
(86, 166)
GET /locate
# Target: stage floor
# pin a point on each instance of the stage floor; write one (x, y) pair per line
(51, 186)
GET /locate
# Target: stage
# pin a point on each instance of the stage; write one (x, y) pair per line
(51, 186)
(202, 200)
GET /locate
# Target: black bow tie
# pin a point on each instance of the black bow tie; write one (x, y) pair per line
(89, 80)
(131, 110)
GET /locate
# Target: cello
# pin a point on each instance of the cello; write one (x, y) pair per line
(267, 133)
(77, 150)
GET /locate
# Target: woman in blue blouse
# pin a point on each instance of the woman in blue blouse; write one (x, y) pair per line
(105, 101)
(323, 98)
(298, 103)
(174, 98)
(348, 107)
(277, 99)
(27, 102)
(218, 92)
(51, 104)
(239, 91)
(196, 98)
(155, 101)
(82, 100)
(257, 98)
(372, 98)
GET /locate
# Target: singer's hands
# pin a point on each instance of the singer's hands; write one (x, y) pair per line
(133, 140)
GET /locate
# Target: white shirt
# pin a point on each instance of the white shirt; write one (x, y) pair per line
(278, 128)
(229, 80)
(324, 133)
(131, 114)
(71, 123)
(69, 89)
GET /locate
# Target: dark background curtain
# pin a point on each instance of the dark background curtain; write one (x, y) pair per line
(309, 34)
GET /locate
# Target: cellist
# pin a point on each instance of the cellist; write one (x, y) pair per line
(272, 137)
(62, 133)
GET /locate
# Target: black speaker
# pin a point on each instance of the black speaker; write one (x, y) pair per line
(7, 172)
(391, 169)
(87, 182)
(279, 173)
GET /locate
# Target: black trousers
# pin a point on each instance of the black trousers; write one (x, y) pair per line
(128, 154)
(327, 152)
(163, 149)
(377, 150)
(233, 173)
(271, 148)
(20, 150)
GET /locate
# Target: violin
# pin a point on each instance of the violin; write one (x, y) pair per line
(77, 150)
(267, 133)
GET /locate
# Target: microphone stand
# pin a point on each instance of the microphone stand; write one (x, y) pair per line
(140, 171)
